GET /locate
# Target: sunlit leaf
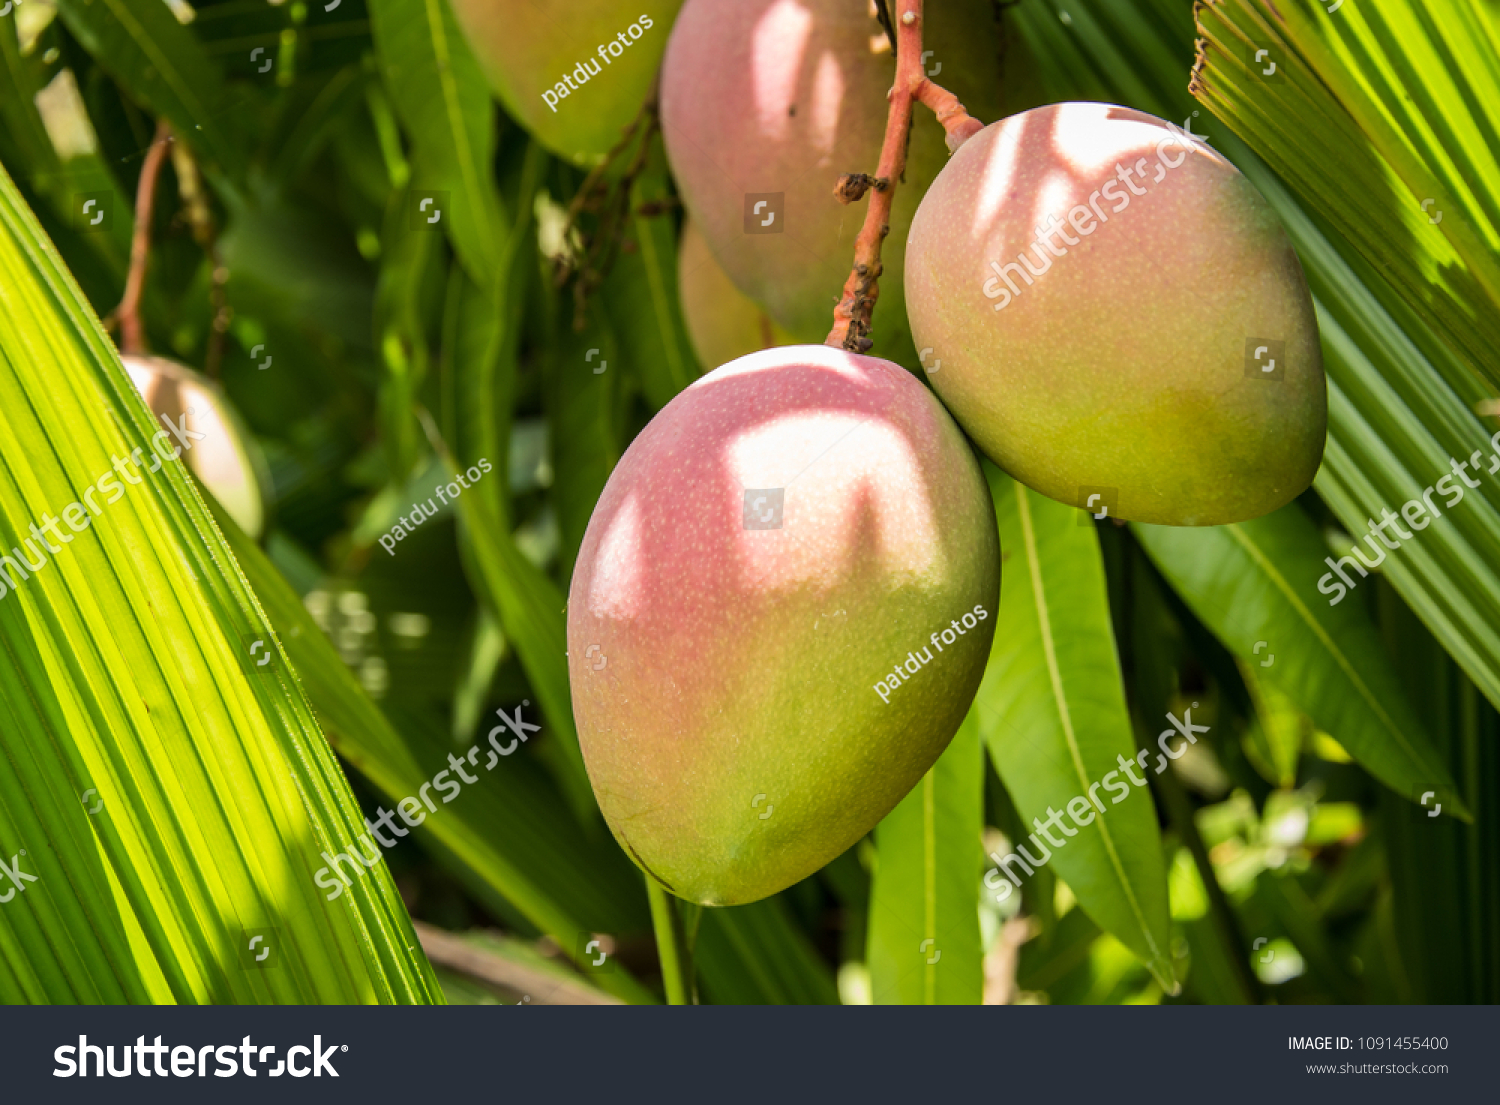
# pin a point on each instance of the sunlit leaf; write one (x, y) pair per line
(167, 796)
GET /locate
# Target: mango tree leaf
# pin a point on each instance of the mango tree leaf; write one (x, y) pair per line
(1258, 581)
(158, 61)
(1052, 712)
(65, 184)
(924, 945)
(444, 103)
(583, 395)
(168, 798)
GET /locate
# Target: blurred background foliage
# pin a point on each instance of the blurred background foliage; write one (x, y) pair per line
(1288, 855)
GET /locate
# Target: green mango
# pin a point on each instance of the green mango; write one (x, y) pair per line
(573, 75)
(1118, 319)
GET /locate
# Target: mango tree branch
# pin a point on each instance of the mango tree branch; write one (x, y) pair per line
(851, 318)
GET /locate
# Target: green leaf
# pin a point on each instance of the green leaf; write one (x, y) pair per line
(1257, 582)
(1052, 711)
(127, 675)
(159, 62)
(445, 105)
(1407, 305)
(924, 944)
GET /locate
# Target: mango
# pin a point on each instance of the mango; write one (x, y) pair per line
(765, 103)
(226, 459)
(573, 75)
(780, 614)
(722, 322)
(1118, 319)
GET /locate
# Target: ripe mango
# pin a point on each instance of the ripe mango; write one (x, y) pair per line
(1119, 318)
(573, 75)
(778, 538)
(765, 103)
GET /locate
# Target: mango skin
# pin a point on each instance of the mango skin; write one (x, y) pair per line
(722, 321)
(525, 47)
(728, 716)
(784, 96)
(1124, 365)
(227, 459)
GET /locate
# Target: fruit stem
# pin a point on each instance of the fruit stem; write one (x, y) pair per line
(852, 316)
(132, 333)
(673, 943)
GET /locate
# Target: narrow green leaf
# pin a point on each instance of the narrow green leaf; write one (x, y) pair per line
(1257, 582)
(924, 945)
(1403, 96)
(445, 105)
(583, 396)
(642, 299)
(1052, 712)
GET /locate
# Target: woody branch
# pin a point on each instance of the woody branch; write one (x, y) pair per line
(852, 316)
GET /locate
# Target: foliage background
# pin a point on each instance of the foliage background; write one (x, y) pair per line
(1286, 858)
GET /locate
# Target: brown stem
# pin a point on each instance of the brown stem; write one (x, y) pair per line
(852, 316)
(132, 333)
(959, 124)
